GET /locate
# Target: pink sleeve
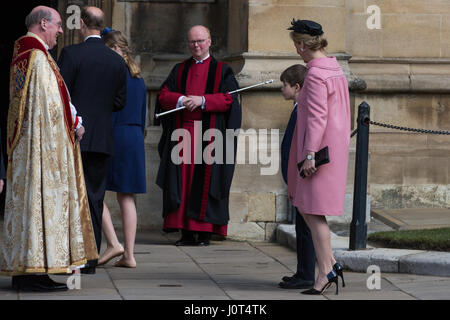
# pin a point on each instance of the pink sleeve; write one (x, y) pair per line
(317, 112)
(218, 102)
(168, 99)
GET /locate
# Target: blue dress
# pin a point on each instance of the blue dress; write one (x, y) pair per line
(126, 168)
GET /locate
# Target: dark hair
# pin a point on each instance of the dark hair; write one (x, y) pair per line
(92, 21)
(36, 16)
(293, 75)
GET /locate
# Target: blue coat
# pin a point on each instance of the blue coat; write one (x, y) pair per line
(126, 169)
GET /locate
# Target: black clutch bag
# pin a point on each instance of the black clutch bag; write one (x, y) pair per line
(321, 157)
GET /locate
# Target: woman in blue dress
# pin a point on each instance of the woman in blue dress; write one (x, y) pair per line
(126, 171)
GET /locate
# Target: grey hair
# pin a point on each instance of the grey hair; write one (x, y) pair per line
(35, 17)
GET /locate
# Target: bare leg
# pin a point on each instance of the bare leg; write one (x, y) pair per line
(129, 220)
(114, 248)
(320, 233)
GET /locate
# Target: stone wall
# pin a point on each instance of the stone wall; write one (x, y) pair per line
(401, 70)
(405, 65)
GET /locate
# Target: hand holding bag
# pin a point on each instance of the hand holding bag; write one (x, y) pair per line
(321, 157)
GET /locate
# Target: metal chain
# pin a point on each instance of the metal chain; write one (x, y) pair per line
(409, 129)
(390, 126)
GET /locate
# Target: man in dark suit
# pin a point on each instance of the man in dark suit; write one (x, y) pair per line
(2, 166)
(292, 79)
(96, 78)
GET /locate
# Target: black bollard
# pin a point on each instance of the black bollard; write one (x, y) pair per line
(358, 226)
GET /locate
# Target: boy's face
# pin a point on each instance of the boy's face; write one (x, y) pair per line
(288, 91)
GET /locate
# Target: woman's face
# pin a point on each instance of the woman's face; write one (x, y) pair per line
(117, 49)
(299, 45)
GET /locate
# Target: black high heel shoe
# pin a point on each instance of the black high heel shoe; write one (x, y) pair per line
(339, 271)
(332, 278)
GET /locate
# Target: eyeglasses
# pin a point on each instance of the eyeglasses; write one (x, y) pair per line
(193, 42)
(58, 25)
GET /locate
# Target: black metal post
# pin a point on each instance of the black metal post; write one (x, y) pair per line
(358, 226)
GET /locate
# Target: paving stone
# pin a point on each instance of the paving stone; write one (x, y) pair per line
(372, 295)
(54, 296)
(427, 263)
(398, 278)
(248, 268)
(234, 270)
(264, 291)
(169, 289)
(359, 260)
(436, 290)
(272, 279)
(162, 276)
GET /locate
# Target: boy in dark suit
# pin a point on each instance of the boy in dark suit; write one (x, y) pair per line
(96, 77)
(292, 79)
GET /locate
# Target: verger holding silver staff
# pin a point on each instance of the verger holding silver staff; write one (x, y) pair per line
(231, 92)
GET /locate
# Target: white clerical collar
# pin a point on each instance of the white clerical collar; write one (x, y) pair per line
(92, 36)
(201, 61)
(34, 35)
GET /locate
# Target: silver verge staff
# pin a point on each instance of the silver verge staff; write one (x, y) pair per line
(231, 92)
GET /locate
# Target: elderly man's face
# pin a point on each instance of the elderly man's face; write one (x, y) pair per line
(54, 29)
(199, 42)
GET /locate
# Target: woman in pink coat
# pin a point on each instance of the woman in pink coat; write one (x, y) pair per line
(323, 119)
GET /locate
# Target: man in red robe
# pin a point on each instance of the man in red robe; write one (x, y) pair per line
(195, 191)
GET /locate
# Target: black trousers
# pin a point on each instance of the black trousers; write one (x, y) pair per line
(306, 256)
(95, 167)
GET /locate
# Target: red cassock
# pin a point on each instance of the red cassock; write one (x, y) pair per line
(219, 102)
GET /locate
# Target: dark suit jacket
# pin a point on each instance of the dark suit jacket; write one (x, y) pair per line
(96, 77)
(2, 162)
(286, 143)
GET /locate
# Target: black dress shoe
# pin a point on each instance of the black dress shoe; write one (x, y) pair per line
(338, 269)
(186, 242)
(46, 280)
(332, 278)
(204, 238)
(203, 243)
(37, 283)
(287, 278)
(296, 283)
(88, 270)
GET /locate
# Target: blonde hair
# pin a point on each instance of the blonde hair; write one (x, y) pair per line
(313, 43)
(116, 38)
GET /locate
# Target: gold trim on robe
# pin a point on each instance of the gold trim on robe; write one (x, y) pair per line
(47, 224)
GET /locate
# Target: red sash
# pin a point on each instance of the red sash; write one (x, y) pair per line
(20, 72)
(212, 123)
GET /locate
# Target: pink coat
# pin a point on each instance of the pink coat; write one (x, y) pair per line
(323, 119)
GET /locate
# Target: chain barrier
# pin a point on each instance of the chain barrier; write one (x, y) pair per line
(390, 126)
